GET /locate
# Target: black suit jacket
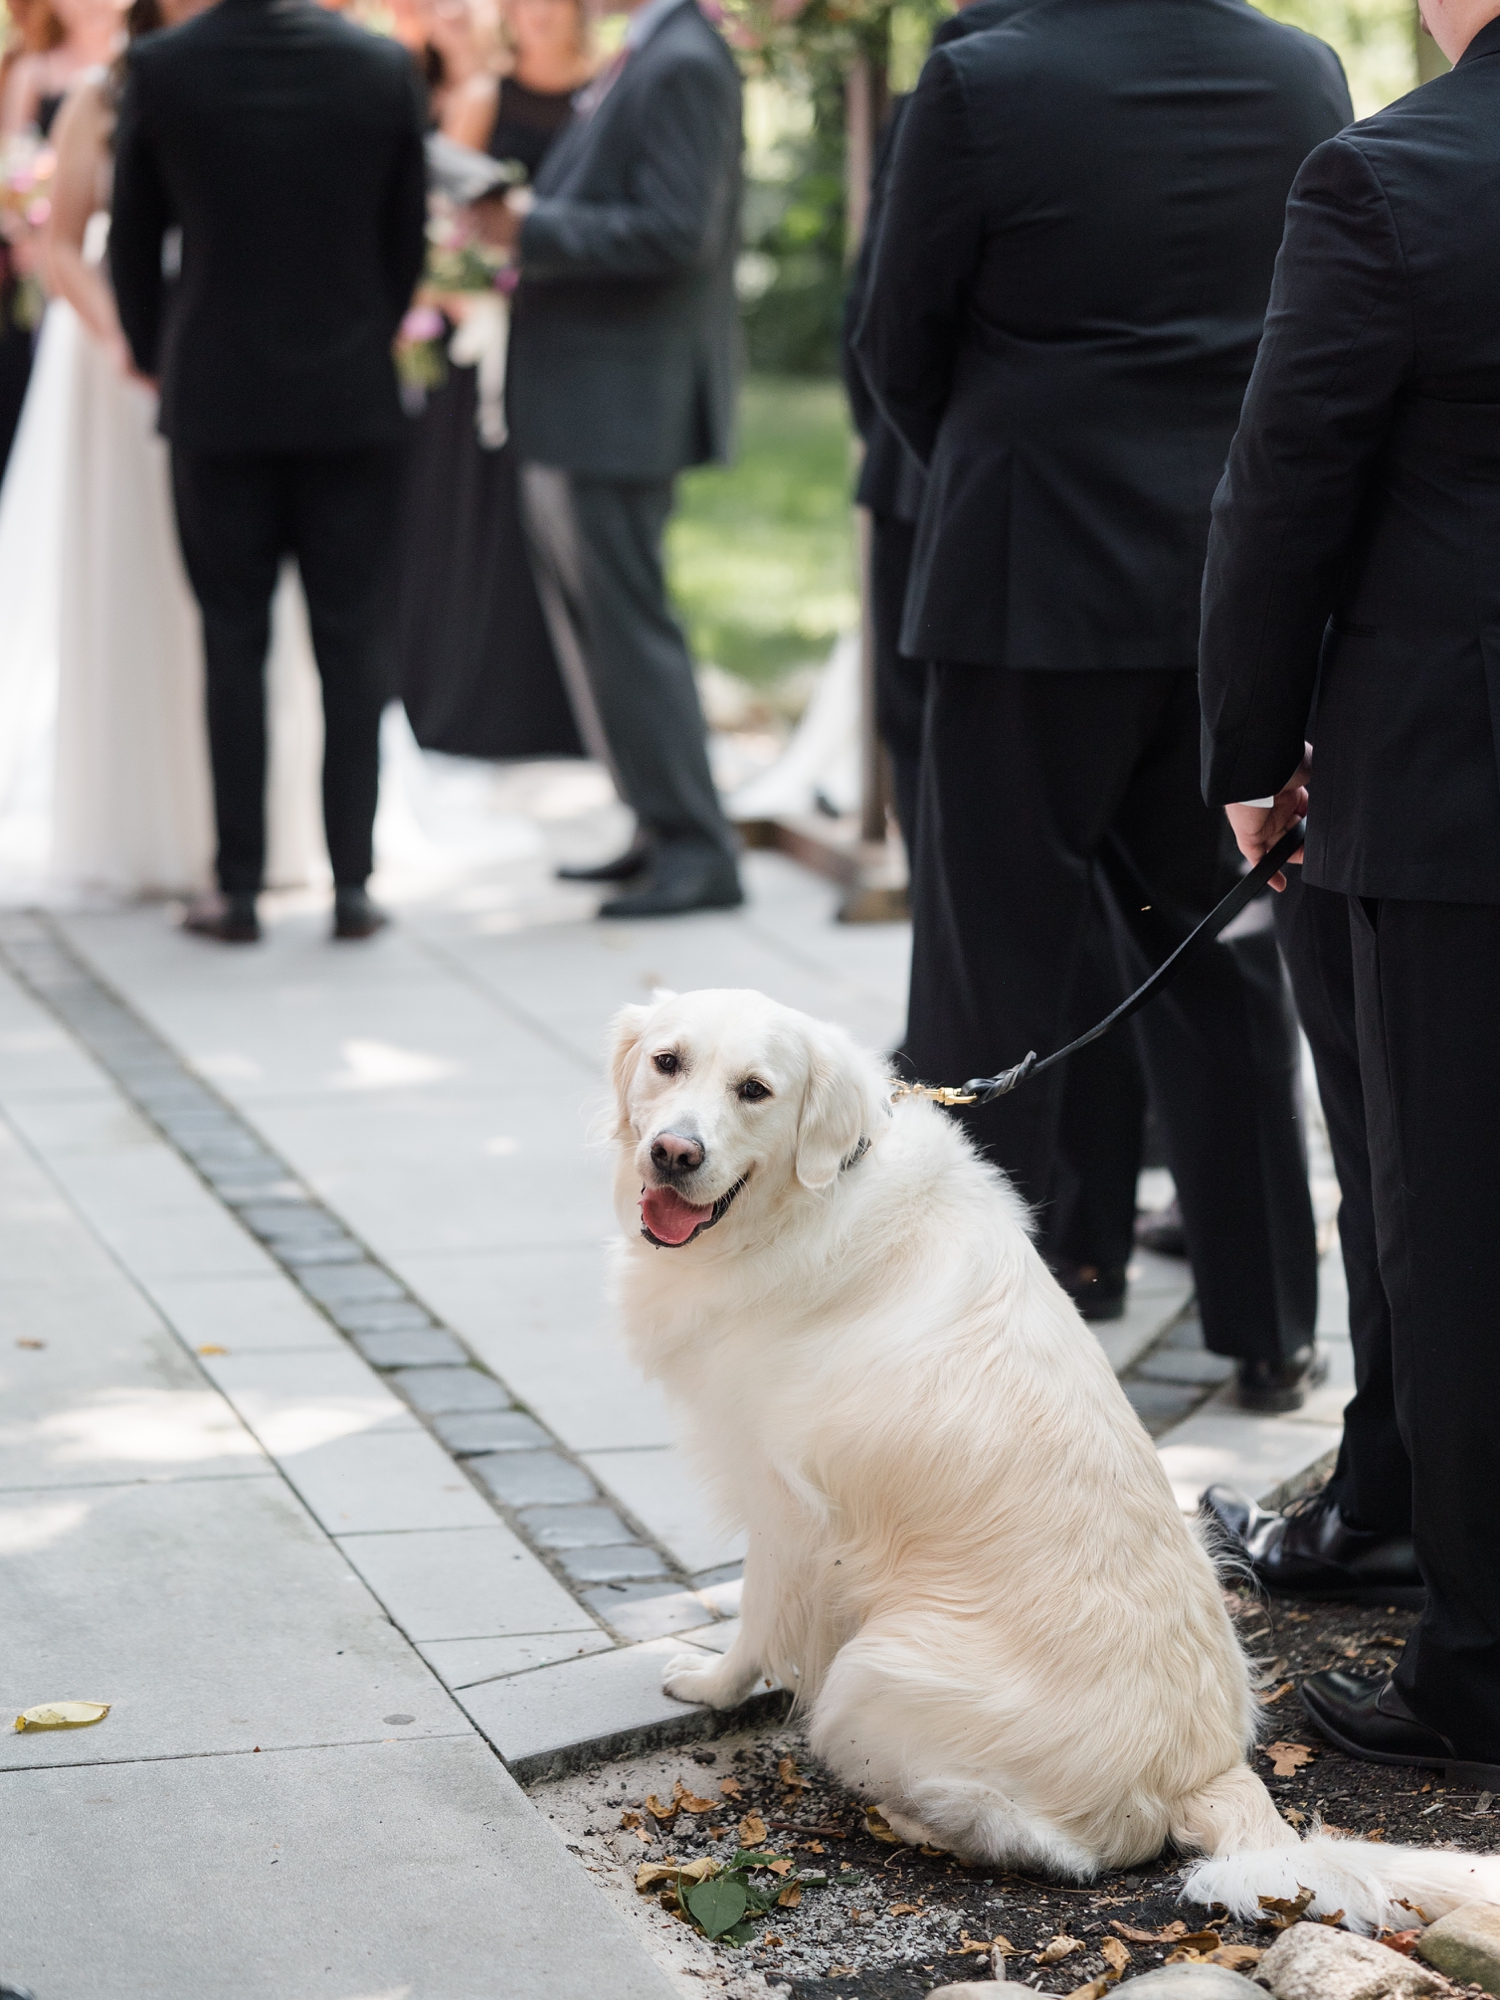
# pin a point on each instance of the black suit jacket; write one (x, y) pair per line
(1355, 552)
(625, 336)
(891, 480)
(1068, 290)
(287, 146)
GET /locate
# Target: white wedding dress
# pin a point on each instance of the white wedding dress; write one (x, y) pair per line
(104, 773)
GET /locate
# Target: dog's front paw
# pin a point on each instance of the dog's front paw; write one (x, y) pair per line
(689, 1677)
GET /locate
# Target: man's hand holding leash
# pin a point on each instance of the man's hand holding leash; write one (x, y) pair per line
(1258, 824)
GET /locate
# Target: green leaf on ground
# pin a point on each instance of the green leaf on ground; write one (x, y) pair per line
(718, 1905)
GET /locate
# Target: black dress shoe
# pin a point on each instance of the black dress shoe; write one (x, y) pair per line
(1310, 1551)
(1098, 1290)
(355, 916)
(679, 882)
(1281, 1385)
(1365, 1715)
(1163, 1232)
(229, 918)
(624, 868)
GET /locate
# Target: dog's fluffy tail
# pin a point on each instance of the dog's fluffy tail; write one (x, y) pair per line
(1252, 1852)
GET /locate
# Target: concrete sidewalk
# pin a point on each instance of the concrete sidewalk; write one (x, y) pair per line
(284, 1799)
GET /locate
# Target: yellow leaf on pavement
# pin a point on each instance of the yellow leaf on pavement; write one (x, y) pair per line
(62, 1715)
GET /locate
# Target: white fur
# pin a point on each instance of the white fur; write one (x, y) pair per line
(964, 1555)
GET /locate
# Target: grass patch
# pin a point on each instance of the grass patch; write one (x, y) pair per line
(761, 553)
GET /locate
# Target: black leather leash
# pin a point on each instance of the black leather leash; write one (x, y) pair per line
(984, 1089)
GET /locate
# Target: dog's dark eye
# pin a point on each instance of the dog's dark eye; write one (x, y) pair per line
(752, 1090)
(667, 1063)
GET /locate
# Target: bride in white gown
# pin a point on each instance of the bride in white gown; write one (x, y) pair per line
(104, 775)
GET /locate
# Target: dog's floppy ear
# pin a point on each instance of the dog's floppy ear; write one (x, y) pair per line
(845, 1101)
(624, 1039)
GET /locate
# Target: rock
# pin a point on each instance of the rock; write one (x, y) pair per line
(1466, 1945)
(1188, 1982)
(1315, 1962)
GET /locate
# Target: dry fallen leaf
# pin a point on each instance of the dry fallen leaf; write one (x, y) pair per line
(211, 1347)
(876, 1822)
(651, 1875)
(752, 1830)
(783, 1865)
(1287, 1759)
(786, 1770)
(1270, 1699)
(1281, 1912)
(700, 1871)
(814, 1847)
(730, 1787)
(22, 1342)
(717, 1832)
(1116, 1955)
(1093, 1989)
(1402, 1941)
(790, 1896)
(969, 1947)
(62, 1715)
(1192, 1950)
(1236, 1956)
(771, 1938)
(658, 1811)
(1170, 1935)
(631, 1822)
(904, 1910)
(1292, 1817)
(1062, 1946)
(690, 1802)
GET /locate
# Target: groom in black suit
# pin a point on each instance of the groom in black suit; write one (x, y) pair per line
(1068, 289)
(286, 147)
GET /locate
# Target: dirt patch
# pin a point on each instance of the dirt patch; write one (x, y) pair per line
(893, 1923)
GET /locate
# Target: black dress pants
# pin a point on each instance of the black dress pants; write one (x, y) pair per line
(237, 516)
(1426, 977)
(596, 551)
(900, 682)
(1372, 1479)
(1035, 788)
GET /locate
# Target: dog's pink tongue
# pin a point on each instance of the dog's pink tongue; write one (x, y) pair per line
(669, 1218)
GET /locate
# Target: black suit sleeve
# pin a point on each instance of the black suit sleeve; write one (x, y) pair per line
(686, 134)
(404, 238)
(141, 215)
(861, 402)
(1338, 349)
(924, 259)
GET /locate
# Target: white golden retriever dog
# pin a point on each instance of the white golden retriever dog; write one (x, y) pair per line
(964, 1555)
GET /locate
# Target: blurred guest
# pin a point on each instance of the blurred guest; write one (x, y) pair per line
(36, 36)
(475, 662)
(37, 82)
(101, 632)
(286, 146)
(1088, 1216)
(1352, 596)
(621, 374)
(1061, 332)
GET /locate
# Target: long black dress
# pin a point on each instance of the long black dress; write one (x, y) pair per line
(476, 667)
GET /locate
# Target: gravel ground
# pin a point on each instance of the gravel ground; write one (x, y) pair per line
(894, 1923)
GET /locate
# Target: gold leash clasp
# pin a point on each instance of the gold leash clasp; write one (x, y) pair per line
(940, 1093)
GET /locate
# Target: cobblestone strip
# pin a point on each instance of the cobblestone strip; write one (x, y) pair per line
(601, 1555)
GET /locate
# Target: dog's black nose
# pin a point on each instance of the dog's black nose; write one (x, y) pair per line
(672, 1154)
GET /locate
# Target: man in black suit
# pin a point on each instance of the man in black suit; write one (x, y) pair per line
(622, 363)
(286, 146)
(1068, 291)
(1352, 596)
(1089, 1211)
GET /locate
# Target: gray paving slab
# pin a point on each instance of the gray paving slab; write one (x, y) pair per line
(464, 1583)
(661, 1491)
(244, 1315)
(462, 1663)
(584, 1708)
(212, 1614)
(388, 1871)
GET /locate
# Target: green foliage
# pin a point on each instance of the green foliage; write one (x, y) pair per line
(761, 553)
(1375, 40)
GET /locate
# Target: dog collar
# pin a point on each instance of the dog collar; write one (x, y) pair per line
(855, 1157)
